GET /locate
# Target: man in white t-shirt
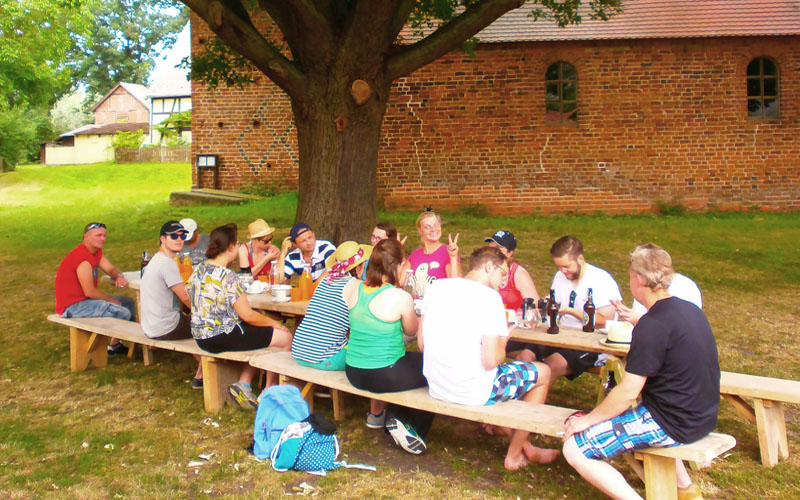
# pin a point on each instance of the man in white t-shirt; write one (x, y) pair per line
(572, 282)
(463, 339)
(682, 287)
(163, 291)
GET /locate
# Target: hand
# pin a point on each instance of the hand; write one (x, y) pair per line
(575, 425)
(272, 253)
(121, 282)
(286, 245)
(452, 246)
(625, 313)
(403, 241)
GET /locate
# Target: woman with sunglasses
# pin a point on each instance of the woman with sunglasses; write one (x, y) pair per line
(256, 257)
(222, 319)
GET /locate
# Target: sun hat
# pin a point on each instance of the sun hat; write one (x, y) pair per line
(619, 333)
(505, 239)
(258, 229)
(172, 227)
(347, 256)
(297, 230)
(190, 225)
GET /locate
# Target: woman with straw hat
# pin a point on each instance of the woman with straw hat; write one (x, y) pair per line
(256, 256)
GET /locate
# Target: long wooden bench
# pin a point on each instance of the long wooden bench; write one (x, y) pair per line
(768, 395)
(659, 463)
(88, 342)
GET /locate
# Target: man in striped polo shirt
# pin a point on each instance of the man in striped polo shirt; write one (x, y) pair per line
(309, 250)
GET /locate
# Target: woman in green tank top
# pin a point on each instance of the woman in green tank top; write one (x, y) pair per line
(380, 312)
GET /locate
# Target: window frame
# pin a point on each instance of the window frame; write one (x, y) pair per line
(560, 82)
(761, 97)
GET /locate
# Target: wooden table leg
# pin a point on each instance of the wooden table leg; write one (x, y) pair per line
(771, 426)
(84, 347)
(218, 374)
(661, 481)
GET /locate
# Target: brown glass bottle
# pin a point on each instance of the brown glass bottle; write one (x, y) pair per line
(588, 313)
(552, 312)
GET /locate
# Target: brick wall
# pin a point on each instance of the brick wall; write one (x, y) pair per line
(657, 120)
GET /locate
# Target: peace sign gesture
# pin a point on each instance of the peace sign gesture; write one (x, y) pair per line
(403, 241)
(452, 245)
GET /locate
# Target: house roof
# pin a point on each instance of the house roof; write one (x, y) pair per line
(107, 129)
(654, 19)
(139, 92)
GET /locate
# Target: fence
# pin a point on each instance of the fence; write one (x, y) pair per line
(154, 154)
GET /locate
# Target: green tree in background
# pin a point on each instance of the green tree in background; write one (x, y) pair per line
(36, 37)
(121, 47)
(70, 112)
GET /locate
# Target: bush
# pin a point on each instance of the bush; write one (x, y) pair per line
(672, 207)
(267, 188)
(132, 140)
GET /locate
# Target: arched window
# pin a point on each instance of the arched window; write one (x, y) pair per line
(763, 97)
(561, 93)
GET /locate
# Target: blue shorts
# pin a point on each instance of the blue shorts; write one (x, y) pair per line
(96, 308)
(513, 381)
(634, 429)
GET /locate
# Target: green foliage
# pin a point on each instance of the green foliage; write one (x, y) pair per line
(125, 139)
(170, 129)
(70, 112)
(671, 207)
(123, 38)
(266, 188)
(218, 63)
(477, 210)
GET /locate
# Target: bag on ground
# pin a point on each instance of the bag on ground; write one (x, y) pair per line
(280, 406)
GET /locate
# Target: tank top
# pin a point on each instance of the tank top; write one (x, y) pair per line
(264, 270)
(373, 343)
(512, 297)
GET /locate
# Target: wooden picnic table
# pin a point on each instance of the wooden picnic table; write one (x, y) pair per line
(569, 338)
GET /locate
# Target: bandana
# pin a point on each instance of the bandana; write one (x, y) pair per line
(339, 269)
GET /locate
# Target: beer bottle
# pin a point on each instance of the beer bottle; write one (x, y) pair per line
(145, 261)
(552, 312)
(588, 313)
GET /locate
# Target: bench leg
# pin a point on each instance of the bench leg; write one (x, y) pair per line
(771, 431)
(147, 355)
(132, 350)
(217, 376)
(306, 389)
(338, 404)
(661, 481)
(84, 347)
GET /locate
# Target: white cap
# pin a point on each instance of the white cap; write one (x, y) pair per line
(191, 226)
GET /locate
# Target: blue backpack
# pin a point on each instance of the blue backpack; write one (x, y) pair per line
(280, 406)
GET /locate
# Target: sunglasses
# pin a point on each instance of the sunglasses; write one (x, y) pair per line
(267, 241)
(572, 296)
(176, 236)
(94, 225)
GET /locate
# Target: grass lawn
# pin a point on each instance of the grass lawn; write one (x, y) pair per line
(129, 431)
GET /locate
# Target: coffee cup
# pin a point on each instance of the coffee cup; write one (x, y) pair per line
(280, 293)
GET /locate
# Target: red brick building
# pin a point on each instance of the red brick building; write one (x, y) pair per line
(687, 101)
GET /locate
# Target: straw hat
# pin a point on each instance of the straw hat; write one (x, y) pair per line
(346, 251)
(619, 332)
(258, 229)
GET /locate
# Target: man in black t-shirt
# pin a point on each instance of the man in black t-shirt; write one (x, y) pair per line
(673, 364)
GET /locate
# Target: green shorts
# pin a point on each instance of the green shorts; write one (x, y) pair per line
(333, 364)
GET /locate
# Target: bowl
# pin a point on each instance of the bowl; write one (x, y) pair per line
(280, 293)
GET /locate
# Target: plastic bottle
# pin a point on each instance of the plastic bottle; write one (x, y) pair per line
(274, 279)
(145, 261)
(186, 267)
(306, 283)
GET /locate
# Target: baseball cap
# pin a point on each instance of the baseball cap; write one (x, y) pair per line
(172, 227)
(190, 226)
(297, 230)
(505, 239)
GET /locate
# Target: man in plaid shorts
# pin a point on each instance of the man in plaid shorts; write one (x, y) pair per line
(673, 364)
(463, 334)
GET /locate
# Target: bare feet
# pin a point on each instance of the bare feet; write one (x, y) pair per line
(488, 429)
(539, 456)
(512, 463)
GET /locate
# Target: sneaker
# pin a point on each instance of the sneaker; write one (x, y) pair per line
(117, 349)
(243, 395)
(376, 421)
(406, 437)
(197, 383)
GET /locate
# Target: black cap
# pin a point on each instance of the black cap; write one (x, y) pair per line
(505, 239)
(297, 230)
(172, 227)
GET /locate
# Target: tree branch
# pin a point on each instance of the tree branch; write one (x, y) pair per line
(226, 21)
(298, 18)
(448, 36)
(400, 18)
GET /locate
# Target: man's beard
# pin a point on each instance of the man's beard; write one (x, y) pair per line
(577, 274)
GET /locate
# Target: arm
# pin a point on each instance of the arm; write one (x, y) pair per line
(618, 400)
(420, 334)
(258, 264)
(111, 270)
(602, 315)
(408, 317)
(493, 350)
(244, 262)
(249, 316)
(84, 272)
(453, 269)
(525, 285)
(625, 313)
(183, 295)
(286, 246)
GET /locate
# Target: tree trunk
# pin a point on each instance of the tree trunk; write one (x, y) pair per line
(338, 150)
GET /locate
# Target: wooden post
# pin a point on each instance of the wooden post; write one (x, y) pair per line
(338, 404)
(85, 346)
(147, 355)
(771, 431)
(661, 481)
(217, 376)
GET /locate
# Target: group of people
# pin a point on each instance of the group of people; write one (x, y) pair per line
(363, 315)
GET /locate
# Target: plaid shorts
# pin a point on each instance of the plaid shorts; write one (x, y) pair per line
(512, 381)
(633, 429)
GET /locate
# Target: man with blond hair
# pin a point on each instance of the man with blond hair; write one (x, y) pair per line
(672, 364)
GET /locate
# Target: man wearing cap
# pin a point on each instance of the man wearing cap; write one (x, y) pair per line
(163, 291)
(520, 284)
(77, 295)
(672, 364)
(572, 282)
(196, 244)
(309, 250)
(256, 256)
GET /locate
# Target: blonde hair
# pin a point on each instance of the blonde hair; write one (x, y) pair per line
(426, 214)
(654, 264)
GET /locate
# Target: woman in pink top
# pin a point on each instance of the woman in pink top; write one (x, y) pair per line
(520, 284)
(434, 260)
